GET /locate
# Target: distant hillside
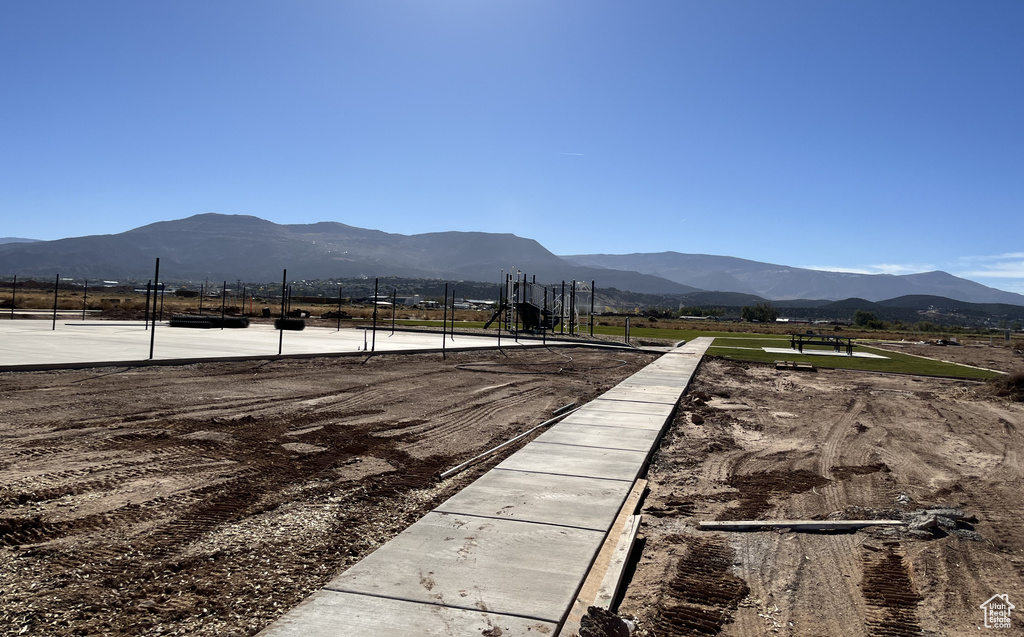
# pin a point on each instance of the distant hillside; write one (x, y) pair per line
(229, 247)
(243, 247)
(4, 240)
(771, 281)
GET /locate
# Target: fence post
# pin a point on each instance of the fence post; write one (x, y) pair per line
(152, 332)
(14, 295)
(284, 293)
(444, 322)
(373, 343)
(149, 284)
(56, 286)
(593, 291)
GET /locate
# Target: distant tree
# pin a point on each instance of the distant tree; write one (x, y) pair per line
(760, 313)
(863, 318)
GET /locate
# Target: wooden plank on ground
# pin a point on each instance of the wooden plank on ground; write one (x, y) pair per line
(796, 525)
(617, 568)
(588, 593)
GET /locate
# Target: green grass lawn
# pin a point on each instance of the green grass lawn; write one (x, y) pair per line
(747, 347)
(896, 362)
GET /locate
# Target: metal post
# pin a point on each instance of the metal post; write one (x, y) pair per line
(56, 286)
(561, 309)
(85, 298)
(163, 290)
(14, 295)
(152, 332)
(339, 308)
(394, 301)
(453, 314)
(593, 287)
(284, 293)
(148, 284)
(202, 293)
(444, 316)
(223, 299)
(373, 342)
(444, 321)
(544, 319)
(500, 313)
(572, 309)
(627, 330)
(515, 307)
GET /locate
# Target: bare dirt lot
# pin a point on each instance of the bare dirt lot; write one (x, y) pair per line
(832, 444)
(209, 499)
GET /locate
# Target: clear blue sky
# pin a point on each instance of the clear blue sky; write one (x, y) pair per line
(860, 135)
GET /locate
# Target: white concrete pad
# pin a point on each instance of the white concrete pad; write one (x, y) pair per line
(590, 462)
(332, 614)
(587, 503)
(33, 342)
(820, 352)
(504, 566)
(606, 437)
(624, 420)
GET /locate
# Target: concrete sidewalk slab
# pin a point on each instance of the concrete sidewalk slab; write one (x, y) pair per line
(820, 352)
(601, 404)
(589, 462)
(587, 503)
(621, 419)
(514, 546)
(504, 566)
(603, 436)
(331, 614)
(666, 396)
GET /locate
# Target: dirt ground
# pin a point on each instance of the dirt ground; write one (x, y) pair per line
(209, 499)
(833, 444)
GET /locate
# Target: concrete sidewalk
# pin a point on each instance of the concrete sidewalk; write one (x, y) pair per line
(507, 555)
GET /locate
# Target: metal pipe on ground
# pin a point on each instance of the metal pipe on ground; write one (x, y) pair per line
(450, 472)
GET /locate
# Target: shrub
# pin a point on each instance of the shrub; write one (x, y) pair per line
(1011, 387)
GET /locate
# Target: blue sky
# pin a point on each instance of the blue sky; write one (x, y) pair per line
(864, 136)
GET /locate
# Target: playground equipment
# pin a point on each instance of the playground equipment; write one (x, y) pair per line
(527, 306)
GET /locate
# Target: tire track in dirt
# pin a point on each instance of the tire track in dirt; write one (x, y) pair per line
(702, 593)
(837, 432)
(889, 591)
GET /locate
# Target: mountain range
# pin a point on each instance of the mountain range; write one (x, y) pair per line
(220, 247)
